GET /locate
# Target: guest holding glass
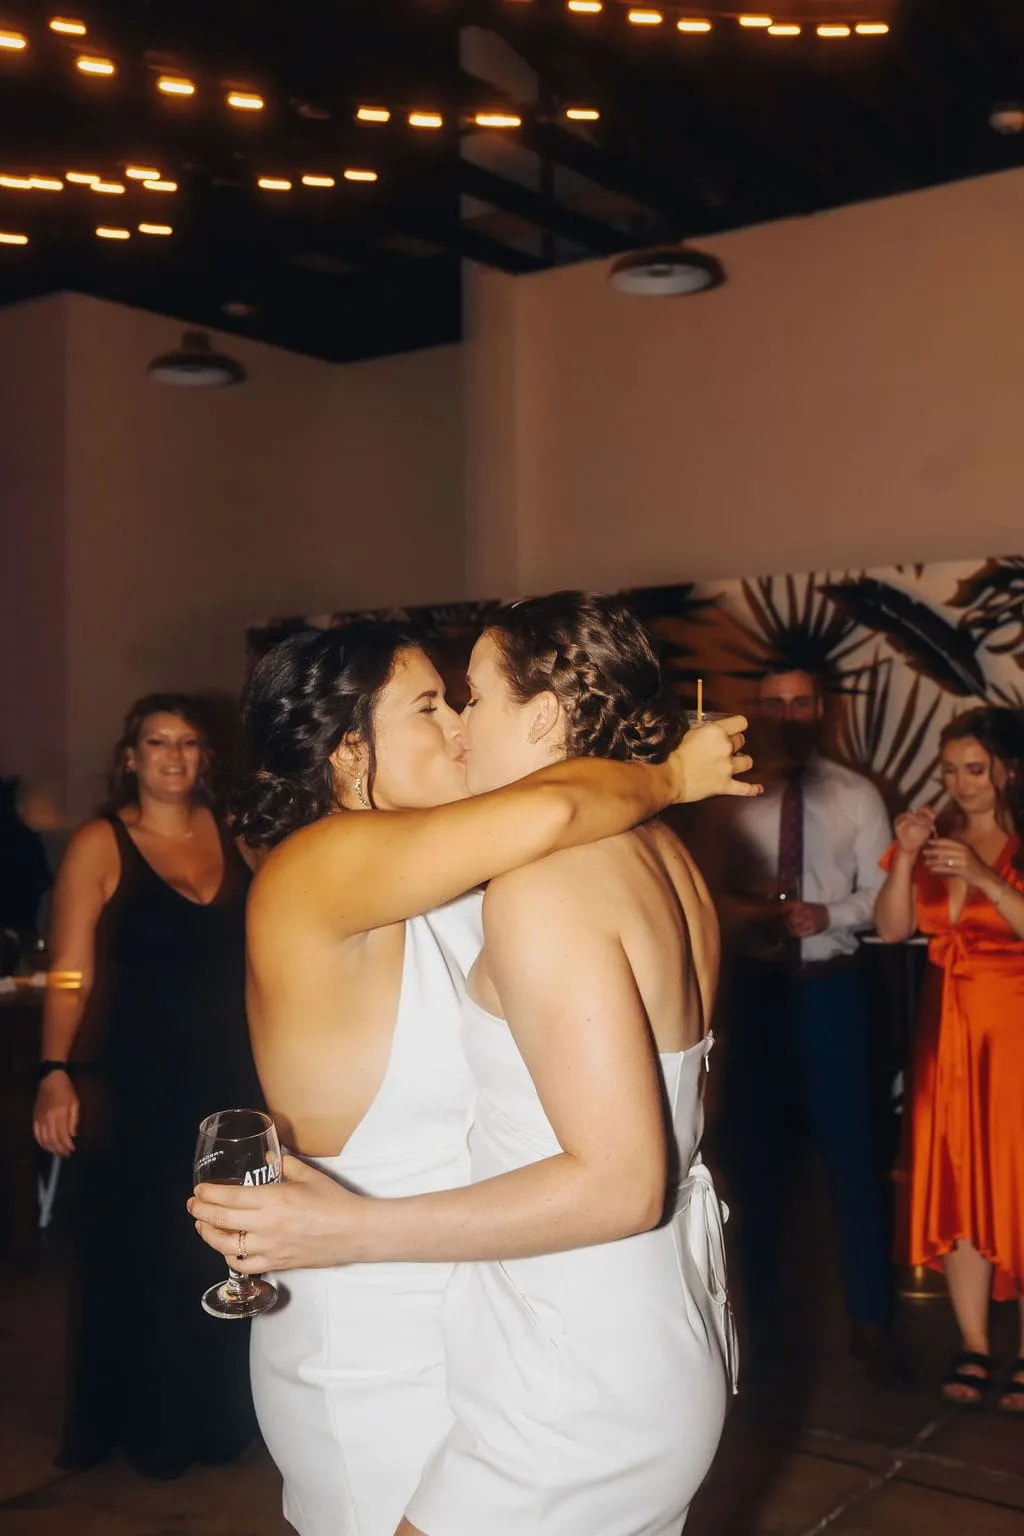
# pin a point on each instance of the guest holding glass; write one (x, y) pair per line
(959, 878)
(798, 1049)
(144, 1034)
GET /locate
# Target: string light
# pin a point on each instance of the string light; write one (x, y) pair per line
(46, 184)
(833, 31)
(160, 186)
(82, 178)
(176, 85)
(91, 66)
(497, 120)
(110, 188)
(16, 183)
(755, 21)
(688, 25)
(645, 18)
(872, 29)
(155, 229)
(373, 115)
(245, 101)
(361, 176)
(274, 184)
(14, 42)
(586, 7)
(67, 27)
(142, 173)
(104, 232)
(319, 181)
(7, 239)
(426, 120)
(784, 29)
(582, 114)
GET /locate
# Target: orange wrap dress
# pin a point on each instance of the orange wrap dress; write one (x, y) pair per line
(964, 1136)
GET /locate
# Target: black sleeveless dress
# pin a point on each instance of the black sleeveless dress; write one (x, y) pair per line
(166, 1031)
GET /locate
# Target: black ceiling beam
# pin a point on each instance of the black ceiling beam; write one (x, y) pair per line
(545, 213)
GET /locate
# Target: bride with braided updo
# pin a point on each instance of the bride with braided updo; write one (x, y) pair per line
(587, 1336)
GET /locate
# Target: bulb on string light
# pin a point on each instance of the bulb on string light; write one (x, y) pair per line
(645, 18)
(46, 184)
(586, 7)
(68, 27)
(245, 101)
(88, 65)
(319, 181)
(872, 28)
(833, 31)
(755, 21)
(82, 178)
(155, 229)
(582, 114)
(8, 239)
(688, 24)
(142, 173)
(16, 183)
(426, 120)
(353, 175)
(274, 184)
(497, 120)
(105, 232)
(176, 85)
(109, 188)
(784, 29)
(373, 115)
(160, 186)
(14, 42)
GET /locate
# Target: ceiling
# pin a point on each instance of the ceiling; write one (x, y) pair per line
(698, 133)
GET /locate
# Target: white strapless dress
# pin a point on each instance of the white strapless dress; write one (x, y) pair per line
(589, 1388)
(348, 1370)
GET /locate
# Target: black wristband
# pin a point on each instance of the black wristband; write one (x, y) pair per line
(46, 1067)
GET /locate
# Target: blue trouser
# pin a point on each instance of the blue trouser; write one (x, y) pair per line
(799, 1059)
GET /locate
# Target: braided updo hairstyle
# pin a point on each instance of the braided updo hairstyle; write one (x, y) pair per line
(1001, 732)
(304, 697)
(594, 655)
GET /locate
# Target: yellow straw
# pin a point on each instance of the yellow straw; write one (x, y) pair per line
(700, 697)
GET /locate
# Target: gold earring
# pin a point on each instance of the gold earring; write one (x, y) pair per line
(360, 793)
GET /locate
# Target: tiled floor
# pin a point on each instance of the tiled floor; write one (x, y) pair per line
(823, 1452)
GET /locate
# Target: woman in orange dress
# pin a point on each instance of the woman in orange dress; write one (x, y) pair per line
(966, 1132)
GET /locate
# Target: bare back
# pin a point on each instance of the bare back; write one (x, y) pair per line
(643, 893)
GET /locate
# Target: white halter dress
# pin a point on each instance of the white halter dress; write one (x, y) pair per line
(348, 1370)
(589, 1388)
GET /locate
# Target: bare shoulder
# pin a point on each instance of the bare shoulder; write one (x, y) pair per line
(551, 887)
(92, 848)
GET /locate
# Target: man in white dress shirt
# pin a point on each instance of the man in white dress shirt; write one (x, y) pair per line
(798, 1024)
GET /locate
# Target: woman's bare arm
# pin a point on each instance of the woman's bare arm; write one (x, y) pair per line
(86, 875)
(365, 870)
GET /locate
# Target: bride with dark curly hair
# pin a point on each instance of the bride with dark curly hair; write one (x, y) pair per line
(586, 1388)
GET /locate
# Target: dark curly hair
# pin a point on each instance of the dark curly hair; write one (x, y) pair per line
(305, 696)
(595, 656)
(1000, 732)
(123, 788)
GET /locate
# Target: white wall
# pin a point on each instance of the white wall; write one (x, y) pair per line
(174, 518)
(853, 396)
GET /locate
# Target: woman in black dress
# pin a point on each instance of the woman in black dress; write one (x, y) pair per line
(149, 920)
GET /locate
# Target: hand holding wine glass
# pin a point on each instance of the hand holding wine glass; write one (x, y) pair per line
(238, 1146)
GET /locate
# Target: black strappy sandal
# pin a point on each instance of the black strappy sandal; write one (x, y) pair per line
(1013, 1386)
(957, 1376)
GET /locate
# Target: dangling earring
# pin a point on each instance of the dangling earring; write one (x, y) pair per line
(360, 793)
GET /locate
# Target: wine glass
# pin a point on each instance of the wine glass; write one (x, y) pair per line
(238, 1146)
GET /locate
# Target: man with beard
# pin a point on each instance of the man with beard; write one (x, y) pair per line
(797, 1025)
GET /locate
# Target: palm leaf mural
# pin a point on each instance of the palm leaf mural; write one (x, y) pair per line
(944, 652)
(993, 598)
(801, 629)
(663, 610)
